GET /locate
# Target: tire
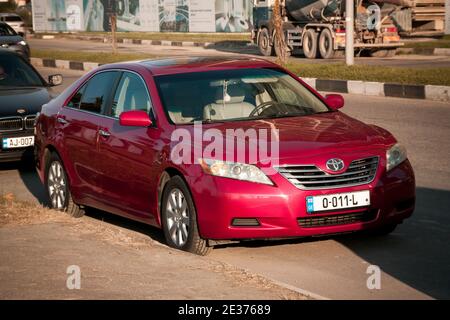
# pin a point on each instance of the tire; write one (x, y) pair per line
(383, 230)
(264, 45)
(386, 53)
(58, 190)
(326, 44)
(278, 52)
(179, 219)
(309, 44)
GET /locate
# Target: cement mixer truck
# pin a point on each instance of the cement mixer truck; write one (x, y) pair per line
(317, 27)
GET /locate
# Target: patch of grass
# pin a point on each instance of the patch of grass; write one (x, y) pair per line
(86, 56)
(436, 76)
(403, 75)
(170, 36)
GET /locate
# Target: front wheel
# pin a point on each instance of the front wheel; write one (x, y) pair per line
(264, 45)
(58, 189)
(179, 219)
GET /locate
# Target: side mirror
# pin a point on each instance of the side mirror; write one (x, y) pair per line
(135, 118)
(334, 101)
(55, 80)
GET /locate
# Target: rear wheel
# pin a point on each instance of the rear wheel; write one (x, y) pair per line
(58, 190)
(179, 219)
(310, 44)
(326, 47)
(264, 45)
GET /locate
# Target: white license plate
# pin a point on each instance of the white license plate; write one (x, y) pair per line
(19, 142)
(338, 201)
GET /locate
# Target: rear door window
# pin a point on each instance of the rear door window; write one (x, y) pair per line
(131, 94)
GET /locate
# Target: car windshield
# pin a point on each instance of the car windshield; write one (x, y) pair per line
(6, 30)
(233, 95)
(15, 72)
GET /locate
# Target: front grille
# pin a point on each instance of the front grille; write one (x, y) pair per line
(335, 220)
(11, 124)
(310, 177)
(29, 122)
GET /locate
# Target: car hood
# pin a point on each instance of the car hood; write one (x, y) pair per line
(29, 99)
(303, 138)
(10, 39)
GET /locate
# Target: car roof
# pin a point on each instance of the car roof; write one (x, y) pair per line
(177, 65)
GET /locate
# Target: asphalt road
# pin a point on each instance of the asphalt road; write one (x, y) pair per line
(75, 45)
(415, 259)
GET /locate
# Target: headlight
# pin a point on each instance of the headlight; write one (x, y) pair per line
(22, 43)
(395, 155)
(239, 171)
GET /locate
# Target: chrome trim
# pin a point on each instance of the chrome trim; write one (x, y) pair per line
(151, 111)
(12, 119)
(29, 117)
(286, 172)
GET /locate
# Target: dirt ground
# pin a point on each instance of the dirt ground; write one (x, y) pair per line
(37, 245)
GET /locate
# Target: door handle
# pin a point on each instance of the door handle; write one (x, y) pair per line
(104, 133)
(62, 120)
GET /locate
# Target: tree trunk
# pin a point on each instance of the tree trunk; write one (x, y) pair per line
(279, 41)
(113, 33)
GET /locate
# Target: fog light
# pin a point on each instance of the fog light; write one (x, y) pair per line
(245, 222)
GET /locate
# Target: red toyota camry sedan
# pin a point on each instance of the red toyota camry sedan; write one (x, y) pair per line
(219, 149)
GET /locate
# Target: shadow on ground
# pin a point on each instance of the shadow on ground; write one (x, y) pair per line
(417, 253)
(27, 173)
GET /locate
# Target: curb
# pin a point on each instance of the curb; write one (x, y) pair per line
(425, 51)
(228, 43)
(64, 64)
(380, 89)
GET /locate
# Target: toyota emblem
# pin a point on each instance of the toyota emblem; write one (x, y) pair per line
(335, 164)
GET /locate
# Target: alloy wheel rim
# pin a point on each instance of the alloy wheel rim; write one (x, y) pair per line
(57, 186)
(177, 217)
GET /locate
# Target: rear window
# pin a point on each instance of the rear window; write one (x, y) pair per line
(13, 19)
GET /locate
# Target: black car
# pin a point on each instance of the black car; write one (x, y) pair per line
(22, 93)
(9, 39)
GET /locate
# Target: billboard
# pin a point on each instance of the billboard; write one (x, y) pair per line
(143, 15)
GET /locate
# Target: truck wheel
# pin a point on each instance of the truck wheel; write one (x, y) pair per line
(278, 51)
(326, 44)
(385, 53)
(264, 43)
(310, 44)
(179, 219)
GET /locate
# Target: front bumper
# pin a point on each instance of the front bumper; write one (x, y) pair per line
(9, 155)
(281, 209)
